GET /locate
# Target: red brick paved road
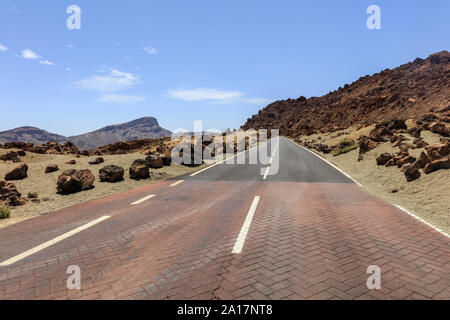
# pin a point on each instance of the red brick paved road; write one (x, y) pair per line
(307, 241)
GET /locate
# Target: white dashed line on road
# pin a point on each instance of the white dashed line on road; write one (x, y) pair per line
(52, 242)
(143, 199)
(176, 183)
(239, 244)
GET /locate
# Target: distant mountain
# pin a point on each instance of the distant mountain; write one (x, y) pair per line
(409, 92)
(30, 135)
(143, 128)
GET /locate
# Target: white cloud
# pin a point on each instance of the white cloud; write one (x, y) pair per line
(70, 46)
(3, 48)
(114, 81)
(151, 50)
(214, 95)
(118, 98)
(201, 94)
(68, 69)
(46, 62)
(29, 55)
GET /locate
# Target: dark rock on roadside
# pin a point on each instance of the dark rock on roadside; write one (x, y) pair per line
(51, 168)
(72, 181)
(383, 159)
(111, 173)
(18, 173)
(98, 160)
(154, 161)
(411, 172)
(166, 159)
(139, 170)
(10, 195)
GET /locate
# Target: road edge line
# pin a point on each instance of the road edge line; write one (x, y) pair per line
(394, 204)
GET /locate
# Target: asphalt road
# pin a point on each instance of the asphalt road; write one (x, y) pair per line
(241, 231)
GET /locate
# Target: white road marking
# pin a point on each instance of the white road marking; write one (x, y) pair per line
(143, 199)
(52, 242)
(397, 206)
(222, 161)
(270, 162)
(176, 183)
(239, 244)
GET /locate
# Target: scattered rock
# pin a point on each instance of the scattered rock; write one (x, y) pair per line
(154, 161)
(440, 128)
(390, 163)
(51, 168)
(166, 159)
(71, 181)
(12, 156)
(18, 173)
(7, 190)
(415, 132)
(422, 161)
(405, 160)
(438, 151)
(322, 148)
(32, 195)
(97, 160)
(411, 172)
(383, 159)
(71, 162)
(111, 173)
(366, 144)
(394, 190)
(139, 170)
(435, 165)
(419, 143)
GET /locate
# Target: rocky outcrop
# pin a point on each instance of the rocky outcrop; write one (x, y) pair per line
(111, 173)
(408, 92)
(18, 173)
(139, 170)
(13, 156)
(9, 194)
(72, 181)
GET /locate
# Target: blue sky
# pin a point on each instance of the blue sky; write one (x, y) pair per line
(217, 61)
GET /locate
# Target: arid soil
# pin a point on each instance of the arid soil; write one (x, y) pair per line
(45, 184)
(428, 197)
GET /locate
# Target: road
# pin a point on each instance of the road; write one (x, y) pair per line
(305, 231)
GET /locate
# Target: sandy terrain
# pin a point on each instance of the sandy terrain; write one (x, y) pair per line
(45, 184)
(428, 197)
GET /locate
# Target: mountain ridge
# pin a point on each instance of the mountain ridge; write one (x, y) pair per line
(141, 128)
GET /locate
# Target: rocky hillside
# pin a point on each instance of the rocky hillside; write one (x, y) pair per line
(30, 135)
(409, 91)
(143, 128)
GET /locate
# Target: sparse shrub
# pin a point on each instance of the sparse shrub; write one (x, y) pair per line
(344, 146)
(4, 213)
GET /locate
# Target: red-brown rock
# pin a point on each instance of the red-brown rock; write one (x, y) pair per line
(18, 173)
(72, 181)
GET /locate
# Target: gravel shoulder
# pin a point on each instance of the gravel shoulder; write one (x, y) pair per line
(427, 197)
(45, 184)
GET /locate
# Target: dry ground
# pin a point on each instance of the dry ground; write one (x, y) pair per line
(45, 184)
(428, 197)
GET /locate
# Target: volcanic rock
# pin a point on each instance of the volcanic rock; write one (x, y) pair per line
(51, 168)
(18, 173)
(139, 170)
(72, 181)
(111, 173)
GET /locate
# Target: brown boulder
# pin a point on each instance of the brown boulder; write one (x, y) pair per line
(415, 131)
(10, 195)
(111, 173)
(139, 170)
(383, 159)
(71, 162)
(18, 173)
(405, 160)
(419, 143)
(51, 168)
(365, 145)
(166, 159)
(435, 165)
(154, 161)
(71, 181)
(422, 161)
(438, 151)
(411, 172)
(390, 163)
(440, 128)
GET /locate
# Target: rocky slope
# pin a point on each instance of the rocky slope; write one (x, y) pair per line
(409, 92)
(143, 128)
